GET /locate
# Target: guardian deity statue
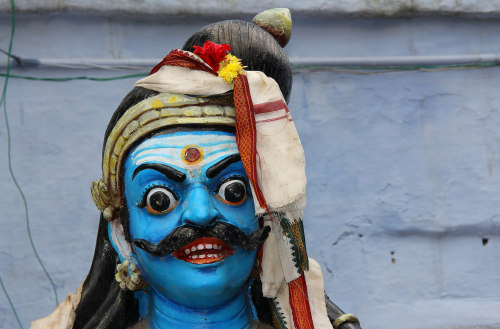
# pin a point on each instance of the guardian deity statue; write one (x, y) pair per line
(202, 196)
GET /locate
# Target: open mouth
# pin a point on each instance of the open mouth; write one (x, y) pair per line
(204, 251)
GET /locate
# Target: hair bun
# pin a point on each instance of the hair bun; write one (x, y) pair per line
(276, 21)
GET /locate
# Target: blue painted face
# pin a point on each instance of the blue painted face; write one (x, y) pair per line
(190, 178)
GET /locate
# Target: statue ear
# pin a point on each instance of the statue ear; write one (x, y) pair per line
(117, 238)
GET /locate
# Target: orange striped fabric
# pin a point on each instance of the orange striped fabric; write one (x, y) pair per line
(299, 302)
(246, 134)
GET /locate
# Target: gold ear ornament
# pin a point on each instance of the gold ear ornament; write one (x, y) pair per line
(129, 276)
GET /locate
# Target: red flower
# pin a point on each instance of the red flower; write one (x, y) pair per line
(212, 53)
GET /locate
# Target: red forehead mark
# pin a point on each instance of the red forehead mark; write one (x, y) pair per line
(192, 154)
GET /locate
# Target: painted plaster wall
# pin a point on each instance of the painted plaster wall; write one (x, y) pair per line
(403, 167)
(224, 7)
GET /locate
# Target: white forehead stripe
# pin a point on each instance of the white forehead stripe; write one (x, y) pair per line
(169, 149)
(187, 138)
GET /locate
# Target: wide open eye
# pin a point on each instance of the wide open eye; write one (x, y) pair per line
(160, 200)
(233, 192)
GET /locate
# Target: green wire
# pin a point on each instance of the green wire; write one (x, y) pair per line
(373, 69)
(399, 68)
(9, 149)
(62, 79)
(11, 305)
(2, 101)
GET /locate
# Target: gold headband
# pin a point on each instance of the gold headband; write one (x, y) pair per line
(148, 116)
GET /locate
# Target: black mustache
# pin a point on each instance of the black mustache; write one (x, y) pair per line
(186, 234)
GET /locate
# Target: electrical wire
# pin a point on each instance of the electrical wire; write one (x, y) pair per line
(11, 304)
(63, 79)
(3, 102)
(391, 69)
(367, 62)
(298, 69)
(18, 59)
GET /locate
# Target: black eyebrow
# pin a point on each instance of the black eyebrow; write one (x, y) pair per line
(168, 171)
(215, 169)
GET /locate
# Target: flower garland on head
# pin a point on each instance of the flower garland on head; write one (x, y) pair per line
(220, 60)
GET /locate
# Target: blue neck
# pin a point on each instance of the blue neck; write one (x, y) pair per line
(164, 313)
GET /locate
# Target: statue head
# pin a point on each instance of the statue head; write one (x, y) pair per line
(199, 166)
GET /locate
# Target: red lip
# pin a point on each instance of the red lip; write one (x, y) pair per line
(204, 251)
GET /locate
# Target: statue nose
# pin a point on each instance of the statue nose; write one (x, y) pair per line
(199, 210)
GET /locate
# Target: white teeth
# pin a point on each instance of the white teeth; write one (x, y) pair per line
(207, 246)
(205, 256)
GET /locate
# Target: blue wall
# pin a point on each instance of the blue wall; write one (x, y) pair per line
(403, 167)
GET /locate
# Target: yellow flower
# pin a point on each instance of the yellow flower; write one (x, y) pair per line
(229, 68)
